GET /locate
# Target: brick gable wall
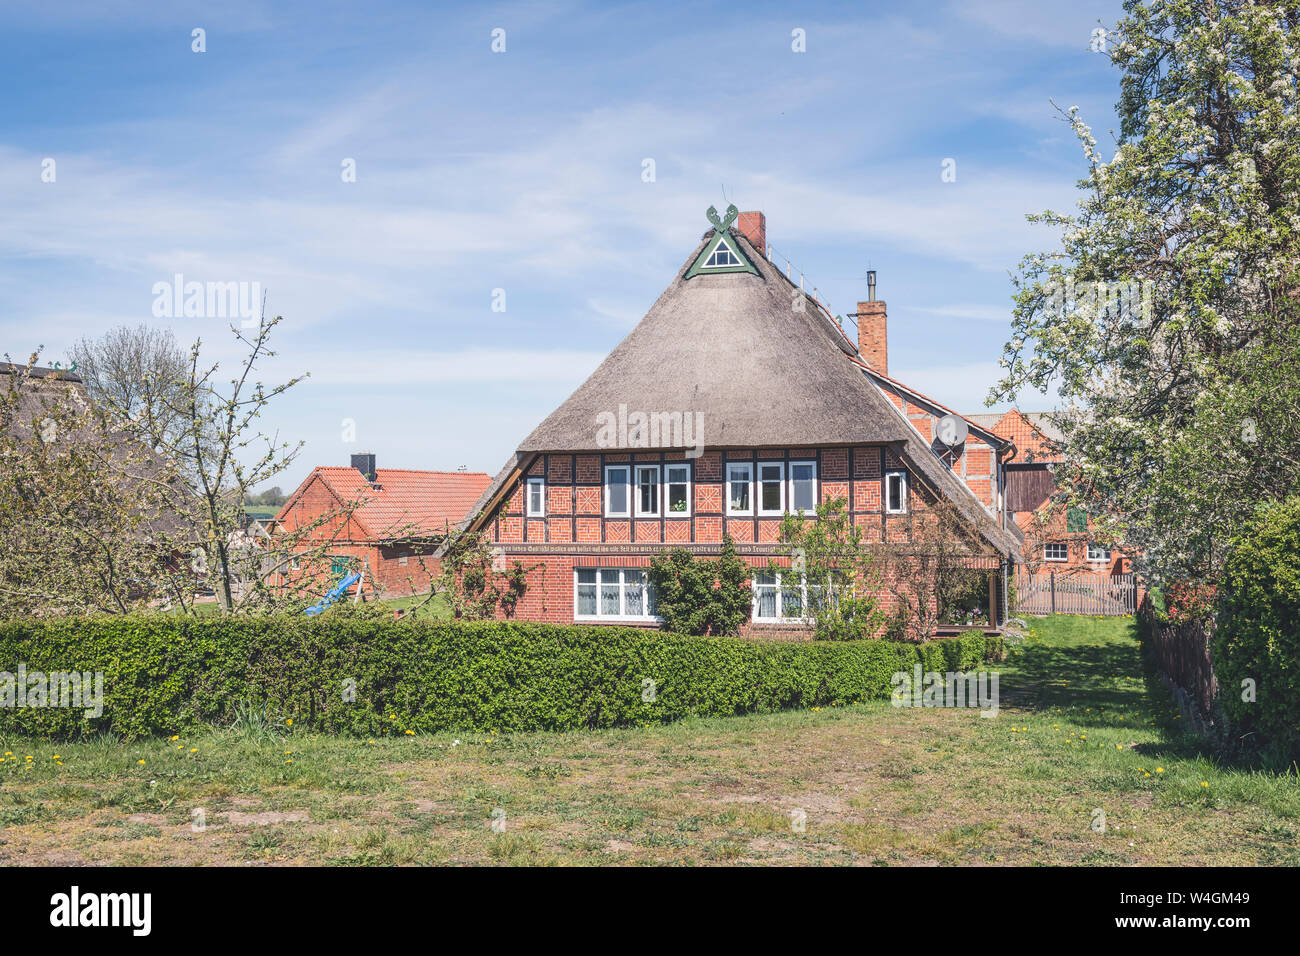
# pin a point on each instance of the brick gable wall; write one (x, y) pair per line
(575, 533)
(975, 462)
(345, 536)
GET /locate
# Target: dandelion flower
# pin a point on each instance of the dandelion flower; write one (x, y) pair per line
(1160, 769)
(141, 761)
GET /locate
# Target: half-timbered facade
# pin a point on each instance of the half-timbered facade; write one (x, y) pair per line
(738, 398)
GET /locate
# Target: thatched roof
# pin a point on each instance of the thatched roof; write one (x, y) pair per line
(41, 391)
(734, 349)
(762, 373)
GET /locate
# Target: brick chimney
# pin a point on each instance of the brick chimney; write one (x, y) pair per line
(873, 340)
(365, 463)
(753, 226)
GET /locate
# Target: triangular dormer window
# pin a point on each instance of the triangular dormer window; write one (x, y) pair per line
(722, 257)
(722, 253)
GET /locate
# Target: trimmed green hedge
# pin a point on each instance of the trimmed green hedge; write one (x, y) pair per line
(165, 675)
(1257, 636)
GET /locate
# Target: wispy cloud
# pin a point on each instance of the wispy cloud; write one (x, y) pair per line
(412, 367)
(523, 172)
(979, 313)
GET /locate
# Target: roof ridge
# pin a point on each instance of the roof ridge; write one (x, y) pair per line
(432, 471)
(933, 401)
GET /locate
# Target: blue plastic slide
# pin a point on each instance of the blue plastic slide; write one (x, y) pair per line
(334, 594)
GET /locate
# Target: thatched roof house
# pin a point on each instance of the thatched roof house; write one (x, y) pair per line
(773, 393)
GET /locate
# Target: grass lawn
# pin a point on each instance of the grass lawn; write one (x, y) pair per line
(439, 607)
(875, 785)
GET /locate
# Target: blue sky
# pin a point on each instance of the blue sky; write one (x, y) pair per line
(522, 171)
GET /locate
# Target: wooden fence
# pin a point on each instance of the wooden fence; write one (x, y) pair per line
(1057, 592)
(1181, 652)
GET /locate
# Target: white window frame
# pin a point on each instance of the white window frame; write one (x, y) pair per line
(902, 509)
(1056, 544)
(759, 481)
(789, 497)
(402, 557)
(780, 599)
(627, 468)
(599, 618)
(749, 479)
(1104, 558)
(668, 483)
(730, 251)
(539, 483)
(636, 490)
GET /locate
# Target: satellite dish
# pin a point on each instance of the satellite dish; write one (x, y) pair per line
(952, 430)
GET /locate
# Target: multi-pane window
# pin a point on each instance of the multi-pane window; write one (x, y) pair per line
(613, 594)
(771, 487)
(778, 600)
(1056, 551)
(617, 491)
(722, 256)
(677, 489)
(536, 497)
(647, 490)
(896, 492)
(1098, 552)
(740, 476)
(803, 486)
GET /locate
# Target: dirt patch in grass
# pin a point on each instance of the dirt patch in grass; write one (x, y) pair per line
(265, 818)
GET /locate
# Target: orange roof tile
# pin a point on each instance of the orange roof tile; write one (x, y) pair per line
(403, 500)
(1030, 437)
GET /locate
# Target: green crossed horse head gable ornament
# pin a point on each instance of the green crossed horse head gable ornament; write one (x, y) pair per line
(722, 225)
(721, 253)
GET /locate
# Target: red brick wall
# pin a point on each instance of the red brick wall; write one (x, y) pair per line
(753, 226)
(550, 594)
(343, 535)
(1048, 524)
(575, 498)
(975, 462)
(873, 335)
(575, 503)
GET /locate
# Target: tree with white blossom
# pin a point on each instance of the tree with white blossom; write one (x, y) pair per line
(1168, 316)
